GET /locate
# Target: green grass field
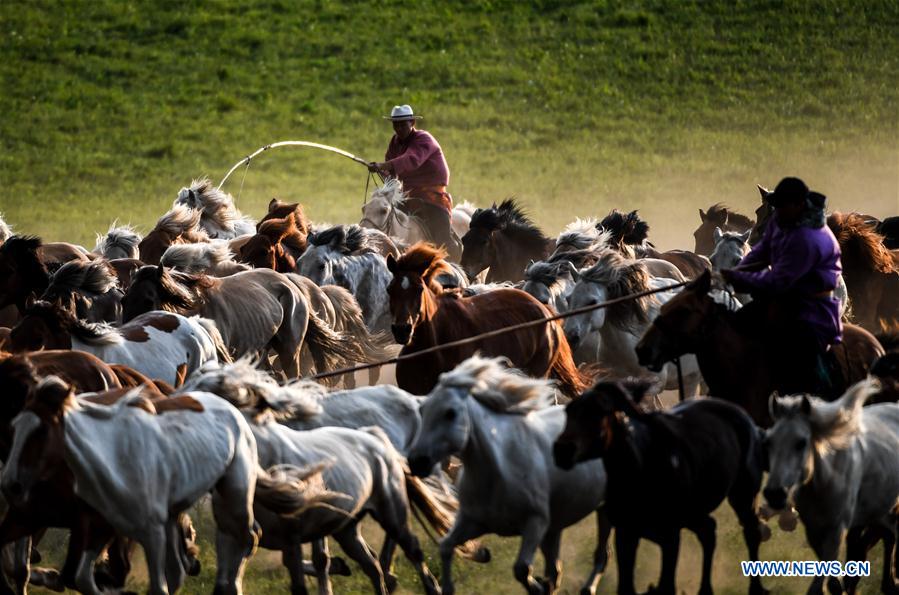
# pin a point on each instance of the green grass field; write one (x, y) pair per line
(108, 108)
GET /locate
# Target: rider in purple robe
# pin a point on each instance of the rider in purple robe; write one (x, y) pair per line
(791, 274)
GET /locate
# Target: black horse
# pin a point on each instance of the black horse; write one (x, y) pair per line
(667, 470)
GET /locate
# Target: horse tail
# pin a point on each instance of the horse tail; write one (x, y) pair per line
(221, 350)
(572, 381)
(375, 346)
(433, 501)
(330, 349)
(289, 491)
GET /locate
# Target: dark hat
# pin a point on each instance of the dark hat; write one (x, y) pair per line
(789, 190)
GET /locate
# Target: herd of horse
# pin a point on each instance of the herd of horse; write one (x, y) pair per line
(145, 373)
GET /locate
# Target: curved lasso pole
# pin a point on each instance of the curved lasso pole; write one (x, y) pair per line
(296, 143)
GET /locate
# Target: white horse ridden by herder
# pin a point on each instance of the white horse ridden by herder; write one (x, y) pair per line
(362, 467)
(840, 462)
(621, 325)
(220, 219)
(140, 470)
(502, 425)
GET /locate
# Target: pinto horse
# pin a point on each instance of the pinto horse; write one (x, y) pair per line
(735, 364)
(425, 315)
(504, 239)
(667, 470)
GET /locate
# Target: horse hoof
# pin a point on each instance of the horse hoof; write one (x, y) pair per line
(788, 520)
(339, 567)
(47, 578)
(765, 532)
(391, 581)
(482, 556)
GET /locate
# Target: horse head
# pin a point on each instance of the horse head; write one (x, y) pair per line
(730, 248)
(605, 406)
(44, 325)
(412, 287)
(478, 249)
(18, 378)
(762, 215)
(38, 448)
(22, 272)
(679, 327)
(715, 218)
(158, 288)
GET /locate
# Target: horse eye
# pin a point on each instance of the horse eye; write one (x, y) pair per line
(450, 415)
(800, 444)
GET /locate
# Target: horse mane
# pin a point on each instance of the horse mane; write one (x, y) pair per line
(284, 231)
(499, 388)
(119, 236)
(23, 251)
(177, 289)
(391, 191)
(581, 234)
(833, 424)
(346, 239)
(93, 333)
(180, 220)
(859, 242)
(719, 214)
(6, 231)
(426, 260)
(622, 276)
(543, 272)
(94, 277)
(625, 228)
(214, 203)
(510, 218)
(201, 256)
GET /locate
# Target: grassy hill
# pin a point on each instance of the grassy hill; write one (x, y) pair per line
(108, 108)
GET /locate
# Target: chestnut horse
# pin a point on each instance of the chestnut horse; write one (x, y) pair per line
(277, 245)
(718, 216)
(735, 366)
(425, 315)
(180, 225)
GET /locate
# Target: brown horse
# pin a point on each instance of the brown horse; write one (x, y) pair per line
(425, 315)
(629, 235)
(22, 272)
(54, 503)
(279, 210)
(871, 275)
(722, 217)
(504, 239)
(178, 226)
(277, 244)
(735, 366)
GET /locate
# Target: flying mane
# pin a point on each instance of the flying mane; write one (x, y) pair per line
(492, 383)
(510, 218)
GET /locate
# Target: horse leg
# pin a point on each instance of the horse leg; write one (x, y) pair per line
(175, 573)
(705, 531)
(154, 543)
(394, 521)
(350, 539)
(626, 541)
(743, 500)
(888, 577)
(531, 535)
(237, 533)
(600, 554)
(550, 546)
(22, 568)
(825, 541)
(670, 544)
(292, 559)
(84, 575)
(859, 541)
(464, 529)
(388, 550)
(321, 560)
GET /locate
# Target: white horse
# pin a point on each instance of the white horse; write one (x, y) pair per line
(840, 462)
(220, 219)
(155, 344)
(341, 256)
(361, 466)
(461, 218)
(502, 427)
(384, 212)
(620, 326)
(121, 241)
(140, 470)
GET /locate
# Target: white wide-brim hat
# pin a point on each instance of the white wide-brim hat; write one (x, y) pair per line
(402, 112)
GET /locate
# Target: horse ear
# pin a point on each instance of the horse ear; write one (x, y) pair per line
(160, 271)
(391, 263)
(572, 270)
(774, 405)
(806, 405)
(745, 235)
(717, 234)
(272, 204)
(763, 191)
(29, 301)
(702, 215)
